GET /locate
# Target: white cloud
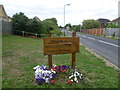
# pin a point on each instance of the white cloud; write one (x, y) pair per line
(75, 13)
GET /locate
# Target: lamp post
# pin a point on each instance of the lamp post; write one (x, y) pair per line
(64, 17)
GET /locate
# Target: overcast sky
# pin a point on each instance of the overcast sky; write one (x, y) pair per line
(78, 10)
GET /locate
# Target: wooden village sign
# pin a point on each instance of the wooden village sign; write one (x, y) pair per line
(61, 45)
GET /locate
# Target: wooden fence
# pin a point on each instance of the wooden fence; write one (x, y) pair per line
(103, 31)
(97, 31)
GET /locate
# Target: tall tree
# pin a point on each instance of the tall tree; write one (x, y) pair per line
(19, 21)
(90, 24)
(34, 26)
(51, 26)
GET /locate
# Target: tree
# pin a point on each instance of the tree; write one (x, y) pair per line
(90, 24)
(51, 26)
(112, 25)
(23, 23)
(19, 21)
(54, 20)
(68, 25)
(34, 26)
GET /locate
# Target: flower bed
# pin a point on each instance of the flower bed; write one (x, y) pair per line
(44, 75)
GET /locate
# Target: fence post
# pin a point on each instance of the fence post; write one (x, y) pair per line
(23, 33)
(36, 35)
(49, 56)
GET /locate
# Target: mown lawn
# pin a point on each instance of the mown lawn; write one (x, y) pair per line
(21, 54)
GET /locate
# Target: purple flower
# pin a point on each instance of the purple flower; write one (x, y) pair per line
(81, 79)
(39, 83)
(54, 76)
(42, 80)
(64, 66)
(37, 79)
(50, 75)
(47, 80)
(37, 76)
(40, 75)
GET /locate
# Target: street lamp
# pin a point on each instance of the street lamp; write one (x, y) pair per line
(64, 17)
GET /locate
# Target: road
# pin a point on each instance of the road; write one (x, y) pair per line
(105, 47)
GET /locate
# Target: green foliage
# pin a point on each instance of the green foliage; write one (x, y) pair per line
(112, 25)
(34, 26)
(68, 25)
(90, 24)
(75, 28)
(19, 21)
(23, 23)
(51, 26)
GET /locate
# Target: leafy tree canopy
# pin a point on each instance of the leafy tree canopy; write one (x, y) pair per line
(23, 23)
(112, 25)
(68, 25)
(90, 24)
(19, 21)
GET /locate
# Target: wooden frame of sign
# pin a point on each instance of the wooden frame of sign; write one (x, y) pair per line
(61, 45)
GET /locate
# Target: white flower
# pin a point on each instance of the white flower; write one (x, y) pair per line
(75, 75)
(38, 71)
(53, 71)
(75, 79)
(54, 65)
(78, 74)
(71, 80)
(70, 76)
(80, 77)
(36, 67)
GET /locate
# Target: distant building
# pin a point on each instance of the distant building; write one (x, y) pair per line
(116, 21)
(3, 14)
(36, 18)
(103, 22)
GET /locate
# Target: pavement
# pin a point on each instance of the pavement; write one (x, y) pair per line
(107, 48)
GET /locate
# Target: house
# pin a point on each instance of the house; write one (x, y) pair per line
(36, 18)
(103, 22)
(5, 22)
(116, 21)
(3, 14)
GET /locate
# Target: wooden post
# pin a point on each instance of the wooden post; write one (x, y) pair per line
(73, 54)
(23, 33)
(50, 57)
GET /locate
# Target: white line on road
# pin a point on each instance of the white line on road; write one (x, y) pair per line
(91, 38)
(108, 43)
(84, 36)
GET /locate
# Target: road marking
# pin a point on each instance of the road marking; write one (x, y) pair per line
(84, 36)
(108, 43)
(91, 38)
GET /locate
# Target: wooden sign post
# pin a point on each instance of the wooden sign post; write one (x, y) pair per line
(73, 54)
(61, 46)
(49, 56)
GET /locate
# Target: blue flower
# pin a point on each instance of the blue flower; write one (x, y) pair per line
(39, 83)
(37, 79)
(42, 80)
(54, 76)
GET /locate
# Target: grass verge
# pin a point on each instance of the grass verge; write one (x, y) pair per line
(20, 55)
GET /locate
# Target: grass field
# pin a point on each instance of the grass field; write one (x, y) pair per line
(21, 54)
